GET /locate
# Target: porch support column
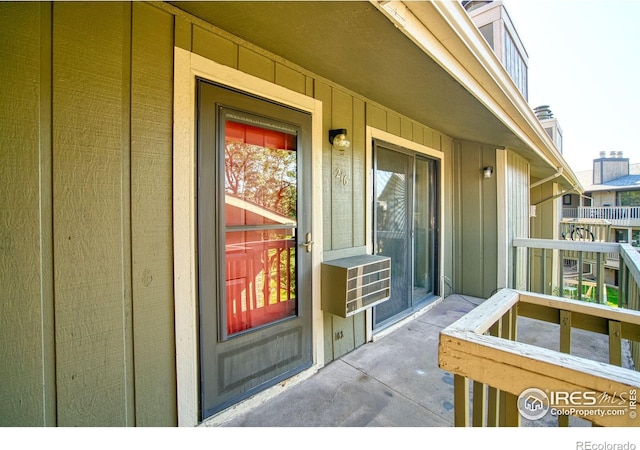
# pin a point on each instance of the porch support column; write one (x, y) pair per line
(504, 236)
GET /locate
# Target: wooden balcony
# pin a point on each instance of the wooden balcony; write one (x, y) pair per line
(618, 216)
(492, 368)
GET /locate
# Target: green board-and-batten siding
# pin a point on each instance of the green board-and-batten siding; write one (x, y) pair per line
(475, 200)
(518, 206)
(26, 260)
(87, 328)
(87, 325)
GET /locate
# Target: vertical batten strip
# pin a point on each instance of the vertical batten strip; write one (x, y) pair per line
(46, 217)
(127, 245)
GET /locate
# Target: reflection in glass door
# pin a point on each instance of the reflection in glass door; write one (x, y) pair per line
(424, 229)
(392, 187)
(405, 221)
(260, 186)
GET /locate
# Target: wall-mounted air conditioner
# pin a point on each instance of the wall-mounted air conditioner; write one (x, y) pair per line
(350, 285)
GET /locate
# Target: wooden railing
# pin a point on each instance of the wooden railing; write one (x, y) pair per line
(544, 271)
(544, 257)
(616, 215)
(260, 282)
(493, 369)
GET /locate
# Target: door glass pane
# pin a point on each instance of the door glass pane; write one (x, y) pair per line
(260, 176)
(392, 209)
(260, 168)
(424, 229)
(260, 278)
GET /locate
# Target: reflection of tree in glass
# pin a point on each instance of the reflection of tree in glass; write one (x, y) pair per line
(264, 176)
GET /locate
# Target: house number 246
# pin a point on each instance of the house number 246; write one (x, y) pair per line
(342, 176)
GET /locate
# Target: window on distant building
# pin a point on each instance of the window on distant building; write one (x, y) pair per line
(515, 65)
(558, 141)
(628, 198)
(487, 32)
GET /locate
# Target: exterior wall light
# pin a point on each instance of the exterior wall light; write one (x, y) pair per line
(487, 172)
(339, 139)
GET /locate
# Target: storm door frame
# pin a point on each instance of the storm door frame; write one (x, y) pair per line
(188, 67)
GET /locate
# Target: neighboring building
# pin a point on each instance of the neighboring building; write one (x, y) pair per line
(609, 209)
(612, 193)
(495, 25)
(176, 175)
(550, 124)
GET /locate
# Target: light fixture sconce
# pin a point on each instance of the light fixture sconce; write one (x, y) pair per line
(487, 172)
(339, 139)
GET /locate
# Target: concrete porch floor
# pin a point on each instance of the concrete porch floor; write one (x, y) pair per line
(395, 380)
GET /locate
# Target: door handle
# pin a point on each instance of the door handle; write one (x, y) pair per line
(308, 243)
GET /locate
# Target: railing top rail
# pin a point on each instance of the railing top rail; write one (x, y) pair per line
(553, 244)
(562, 366)
(483, 316)
(542, 366)
(590, 309)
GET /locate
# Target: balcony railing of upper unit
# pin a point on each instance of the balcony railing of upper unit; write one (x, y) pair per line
(616, 215)
(482, 346)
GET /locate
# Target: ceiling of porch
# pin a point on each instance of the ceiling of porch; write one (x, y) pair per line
(356, 46)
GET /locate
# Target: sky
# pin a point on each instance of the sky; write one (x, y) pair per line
(584, 62)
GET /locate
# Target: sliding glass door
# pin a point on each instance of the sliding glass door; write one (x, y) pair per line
(405, 228)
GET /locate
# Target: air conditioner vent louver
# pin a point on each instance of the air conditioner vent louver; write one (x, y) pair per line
(350, 285)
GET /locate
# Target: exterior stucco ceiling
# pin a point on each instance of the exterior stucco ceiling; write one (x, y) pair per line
(356, 46)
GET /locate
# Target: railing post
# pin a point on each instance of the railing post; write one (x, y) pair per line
(514, 267)
(615, 343)
(624, 281)
(600, 279)
(623, 288)
(528, 269)
(508, 409)
(565, 347)
(580, 269)
(561, 275)
(565, 331)
(543, 269)
(511, 410)
(493, 394)
(479, 404)
(461, 401)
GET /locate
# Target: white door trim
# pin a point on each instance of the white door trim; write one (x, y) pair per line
(188, 66)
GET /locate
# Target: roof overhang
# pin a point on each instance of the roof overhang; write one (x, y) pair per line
(425, 60)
